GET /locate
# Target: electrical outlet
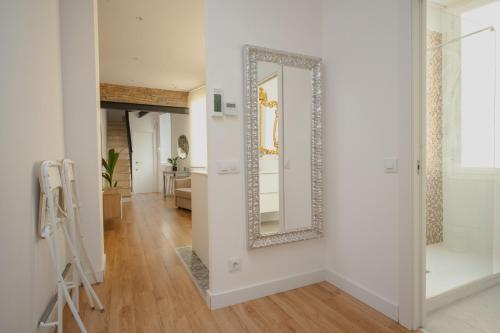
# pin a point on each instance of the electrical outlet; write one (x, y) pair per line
(234, 264)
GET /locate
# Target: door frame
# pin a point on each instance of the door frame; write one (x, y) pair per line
(155, 161)
(412, 186)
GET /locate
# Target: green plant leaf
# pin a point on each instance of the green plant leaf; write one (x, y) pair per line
(109, 166)
(107, 177)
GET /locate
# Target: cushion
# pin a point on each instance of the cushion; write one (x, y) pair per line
(183, 193)
(183, 182)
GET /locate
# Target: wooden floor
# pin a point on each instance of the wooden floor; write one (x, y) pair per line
(147, 289)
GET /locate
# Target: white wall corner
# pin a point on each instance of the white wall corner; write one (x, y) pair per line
(368, 297)
(80, 78)
(222, 299)
(100, 272)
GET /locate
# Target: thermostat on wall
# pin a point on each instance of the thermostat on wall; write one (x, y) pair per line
(218, 107)
(230, 109)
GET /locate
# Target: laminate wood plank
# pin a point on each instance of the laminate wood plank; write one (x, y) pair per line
(275, 317)
(304, 313)
(227, 320)
(334, 319)
(147, 288)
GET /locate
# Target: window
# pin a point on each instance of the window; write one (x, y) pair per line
(479, 116)
(165, 137)
(198, 123)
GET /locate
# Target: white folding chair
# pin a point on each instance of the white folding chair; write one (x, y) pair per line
(75, 237)
(52, 219)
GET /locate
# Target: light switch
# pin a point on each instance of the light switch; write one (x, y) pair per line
(227, 166)
(391, 165)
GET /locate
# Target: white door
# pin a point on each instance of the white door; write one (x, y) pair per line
(143, 162)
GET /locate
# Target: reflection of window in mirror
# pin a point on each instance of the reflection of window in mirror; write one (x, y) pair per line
(165, 137)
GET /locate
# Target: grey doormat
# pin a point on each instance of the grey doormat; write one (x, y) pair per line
(195, 267)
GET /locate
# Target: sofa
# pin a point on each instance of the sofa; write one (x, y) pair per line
(182, 193)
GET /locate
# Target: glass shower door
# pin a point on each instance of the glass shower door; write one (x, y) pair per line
(460, 168)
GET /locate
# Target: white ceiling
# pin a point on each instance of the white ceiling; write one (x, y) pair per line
(152, 43)
(461, 5)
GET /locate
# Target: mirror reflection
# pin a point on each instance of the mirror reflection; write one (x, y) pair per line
(182, 147)
(268, 114)
(284, 151)
(269, 83)
(284, 112)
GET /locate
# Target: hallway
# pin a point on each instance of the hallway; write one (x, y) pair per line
(147, 289)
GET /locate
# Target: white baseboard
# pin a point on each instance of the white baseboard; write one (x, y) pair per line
(99, 274)
(453, 295)
(219, 300)
(366, 296)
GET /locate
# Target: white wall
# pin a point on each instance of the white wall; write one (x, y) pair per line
(82, 116)
(104, 133)
(31, 130)
(367, 56)
(230, 25)
(199, 203)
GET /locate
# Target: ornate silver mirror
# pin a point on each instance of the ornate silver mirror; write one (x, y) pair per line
(283, 146)
(182, 147)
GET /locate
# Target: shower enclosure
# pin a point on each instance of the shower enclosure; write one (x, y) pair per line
(462, 195)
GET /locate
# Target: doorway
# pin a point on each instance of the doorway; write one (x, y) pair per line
(460, 203)
(144, 175)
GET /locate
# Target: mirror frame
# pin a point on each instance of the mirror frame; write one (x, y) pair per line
(251, 56)
(184, 149)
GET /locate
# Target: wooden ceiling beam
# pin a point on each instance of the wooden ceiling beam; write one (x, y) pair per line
(140, 95)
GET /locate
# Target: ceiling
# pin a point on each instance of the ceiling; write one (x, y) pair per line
(152, 43)
(461, 5)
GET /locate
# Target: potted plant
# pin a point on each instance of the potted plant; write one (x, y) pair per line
(173, 162)
(112, 197)
(109, 167)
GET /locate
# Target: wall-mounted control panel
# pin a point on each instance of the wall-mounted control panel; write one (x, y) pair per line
(230, 109)
(220, 108)
(218, 103)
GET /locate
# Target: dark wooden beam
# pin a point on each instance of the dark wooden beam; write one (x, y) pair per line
(144, 107)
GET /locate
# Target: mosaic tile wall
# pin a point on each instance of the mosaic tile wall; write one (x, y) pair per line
(434, 140)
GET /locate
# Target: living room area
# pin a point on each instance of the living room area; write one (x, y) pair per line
(153, 134)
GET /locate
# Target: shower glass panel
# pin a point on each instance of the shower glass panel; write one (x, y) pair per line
(460, 167)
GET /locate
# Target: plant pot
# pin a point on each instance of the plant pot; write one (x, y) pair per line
(112, 203)
(174, 168)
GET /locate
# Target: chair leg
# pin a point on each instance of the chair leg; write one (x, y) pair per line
(92, 296)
